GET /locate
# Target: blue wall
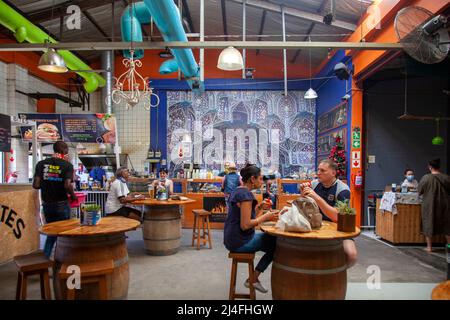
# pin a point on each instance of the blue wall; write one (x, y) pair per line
(331, 91)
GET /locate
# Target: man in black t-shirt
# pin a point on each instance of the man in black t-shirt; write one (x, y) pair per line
(54, 177)
(326, 191)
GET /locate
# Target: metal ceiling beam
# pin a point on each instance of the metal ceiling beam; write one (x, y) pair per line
(59, 10)
(93, 46)
(96, 25)
(297, 53)
(261, 27)
(224, 18)
(296, 13)
(187, 14)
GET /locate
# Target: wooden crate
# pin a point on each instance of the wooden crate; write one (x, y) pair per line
(403, 227)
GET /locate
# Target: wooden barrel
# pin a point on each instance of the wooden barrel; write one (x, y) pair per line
(162, 230)
(305, 269)
(74, 250)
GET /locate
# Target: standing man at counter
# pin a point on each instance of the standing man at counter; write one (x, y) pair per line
(54, 177)
(326, 191)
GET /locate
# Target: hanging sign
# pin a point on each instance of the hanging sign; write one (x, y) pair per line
(87, 128)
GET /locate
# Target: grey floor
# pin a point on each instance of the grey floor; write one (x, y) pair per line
(406, 272)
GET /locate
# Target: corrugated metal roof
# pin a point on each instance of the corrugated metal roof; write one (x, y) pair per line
(346, 10)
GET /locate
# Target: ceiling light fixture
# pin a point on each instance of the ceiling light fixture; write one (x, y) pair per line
(230, 59)
(51, 61)
(310, 94)
(127, 87)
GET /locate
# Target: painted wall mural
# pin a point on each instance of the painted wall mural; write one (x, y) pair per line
(263, 127)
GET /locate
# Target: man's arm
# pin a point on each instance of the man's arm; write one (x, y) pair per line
(36, 182)
(69, 189)
(328, 210)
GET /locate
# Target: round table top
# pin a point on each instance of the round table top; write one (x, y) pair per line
(170, 202)
(72, 227)
(441, 291)
(328, 231)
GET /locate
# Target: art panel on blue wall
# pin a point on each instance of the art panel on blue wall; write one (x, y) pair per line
(222, 126)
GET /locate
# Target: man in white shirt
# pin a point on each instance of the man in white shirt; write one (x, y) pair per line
(119, 198)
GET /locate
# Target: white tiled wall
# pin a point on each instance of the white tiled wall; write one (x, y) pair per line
(14, 77)
(133, 127)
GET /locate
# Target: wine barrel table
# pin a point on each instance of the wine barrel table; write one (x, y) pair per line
(311, 265)
(162, 225)
(78, 244)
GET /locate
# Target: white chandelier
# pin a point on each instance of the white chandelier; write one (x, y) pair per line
(127, 87)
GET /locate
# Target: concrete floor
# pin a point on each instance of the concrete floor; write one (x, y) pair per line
(406, 273)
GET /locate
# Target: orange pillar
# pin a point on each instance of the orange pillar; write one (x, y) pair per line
(357, 198)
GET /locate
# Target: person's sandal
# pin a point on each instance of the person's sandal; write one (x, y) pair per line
(257, 285)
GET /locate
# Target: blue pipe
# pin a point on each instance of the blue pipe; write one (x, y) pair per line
(168, 66)
(167, 18)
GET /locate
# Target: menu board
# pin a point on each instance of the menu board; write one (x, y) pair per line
(332, 119)
(48, 127)
(88, 128)
(5, 133)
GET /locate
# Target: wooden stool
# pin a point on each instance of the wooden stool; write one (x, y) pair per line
(92, 272)
(31, 264)
(203, 216)
(441, 291)
(243, 258)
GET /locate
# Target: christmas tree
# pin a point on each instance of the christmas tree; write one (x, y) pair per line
(337, 154)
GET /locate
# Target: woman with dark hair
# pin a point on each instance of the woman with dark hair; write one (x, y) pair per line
(164, 181)
(435, 188)
(244, 214)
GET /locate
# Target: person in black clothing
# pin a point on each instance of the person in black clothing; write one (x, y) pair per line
(54, 177)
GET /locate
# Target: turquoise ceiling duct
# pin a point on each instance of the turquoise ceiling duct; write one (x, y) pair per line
(168, 66)
(24, 30)
(166, 16)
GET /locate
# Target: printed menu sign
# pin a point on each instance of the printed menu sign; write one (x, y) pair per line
(48, 127)
(89, 128)
(5, 133)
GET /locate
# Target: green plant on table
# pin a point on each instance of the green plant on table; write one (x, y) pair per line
(92, 208)
(345, 208)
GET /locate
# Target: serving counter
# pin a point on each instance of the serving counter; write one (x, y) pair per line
(403, 223)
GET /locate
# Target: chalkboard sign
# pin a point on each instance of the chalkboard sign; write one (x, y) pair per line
(5, 133)
(335, 118)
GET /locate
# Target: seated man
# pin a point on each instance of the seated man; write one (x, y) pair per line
(119, 198)
(326, 191)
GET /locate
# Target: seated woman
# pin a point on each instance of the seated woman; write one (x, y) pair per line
(119, 198)
(164, 181)
(244, 214)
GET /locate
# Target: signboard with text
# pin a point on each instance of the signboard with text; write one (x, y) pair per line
(87, 128)
(5, 133)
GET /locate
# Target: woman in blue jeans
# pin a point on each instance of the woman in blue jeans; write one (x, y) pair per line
(244, 214)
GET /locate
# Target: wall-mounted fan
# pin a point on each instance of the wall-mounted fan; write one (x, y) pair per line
(424, 36)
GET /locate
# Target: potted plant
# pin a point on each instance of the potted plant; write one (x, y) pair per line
(90, 214)
(346, 216)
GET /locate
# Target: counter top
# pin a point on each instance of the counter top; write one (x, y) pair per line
(328, 231)
(72, 227)
(154, 202)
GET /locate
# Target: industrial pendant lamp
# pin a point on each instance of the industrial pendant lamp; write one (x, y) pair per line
(51, 61)
(230, 59)
(311, 93)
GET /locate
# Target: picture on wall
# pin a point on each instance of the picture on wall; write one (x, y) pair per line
(335, 118)
(273, 131)
(326, 142)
